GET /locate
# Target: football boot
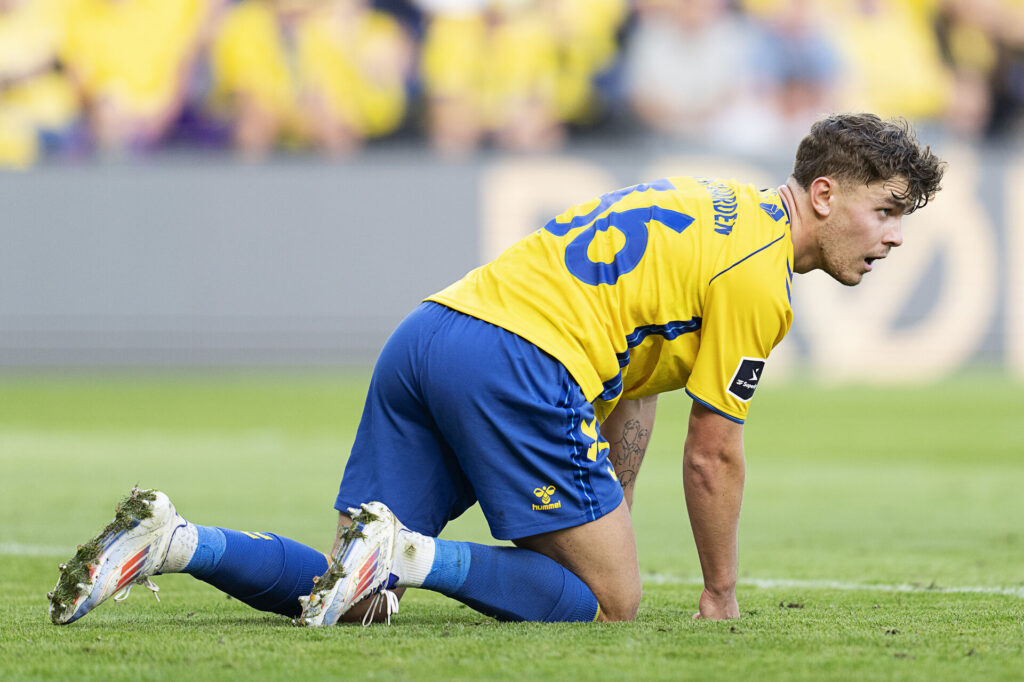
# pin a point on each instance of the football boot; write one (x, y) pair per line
(129, 550)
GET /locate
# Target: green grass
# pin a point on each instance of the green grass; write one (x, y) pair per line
(851, 493)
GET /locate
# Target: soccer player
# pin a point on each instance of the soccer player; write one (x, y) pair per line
(529, 386)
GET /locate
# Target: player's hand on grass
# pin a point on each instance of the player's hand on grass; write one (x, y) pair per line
(717, 606)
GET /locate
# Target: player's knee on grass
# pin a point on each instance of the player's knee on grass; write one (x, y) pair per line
(618, 593)
(620, 606)
(619, 600)
(602, 554)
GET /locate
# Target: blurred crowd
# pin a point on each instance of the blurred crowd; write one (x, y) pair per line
(127, 77)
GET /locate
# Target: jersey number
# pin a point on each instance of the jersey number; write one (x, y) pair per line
(634, 225)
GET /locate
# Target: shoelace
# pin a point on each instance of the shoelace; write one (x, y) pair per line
(145, 582)
(385, 602)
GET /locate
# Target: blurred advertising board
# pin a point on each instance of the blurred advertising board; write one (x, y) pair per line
(208, 261)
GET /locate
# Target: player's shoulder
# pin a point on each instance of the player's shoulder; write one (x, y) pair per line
(754, 243)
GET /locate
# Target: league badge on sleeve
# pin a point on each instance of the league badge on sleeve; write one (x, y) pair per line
(744, 381)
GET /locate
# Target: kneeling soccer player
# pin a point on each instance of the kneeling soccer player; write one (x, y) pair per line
(506, 388)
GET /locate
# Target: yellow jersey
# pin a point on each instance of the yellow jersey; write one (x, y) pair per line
(248, 56)
(679, 283)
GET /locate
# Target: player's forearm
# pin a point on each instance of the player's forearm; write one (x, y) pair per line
(628, 431)
(713, 483)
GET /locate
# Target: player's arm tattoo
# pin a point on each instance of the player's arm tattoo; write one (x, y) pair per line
(628, 431)
(627, 449)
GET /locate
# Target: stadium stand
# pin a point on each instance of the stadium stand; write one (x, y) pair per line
(132, 77)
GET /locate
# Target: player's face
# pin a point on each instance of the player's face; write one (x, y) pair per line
(865, 224)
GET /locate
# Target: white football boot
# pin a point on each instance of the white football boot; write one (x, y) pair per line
(129, 550)
(361, 567)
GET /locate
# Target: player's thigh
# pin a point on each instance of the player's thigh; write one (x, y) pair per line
(523, 432)
(400, 456)
(602, 554)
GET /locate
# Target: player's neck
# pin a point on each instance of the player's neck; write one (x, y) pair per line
(806, 253)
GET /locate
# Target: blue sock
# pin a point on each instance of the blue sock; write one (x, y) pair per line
(266, 571)
(509, 583)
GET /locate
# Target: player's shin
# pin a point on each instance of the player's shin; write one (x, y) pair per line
(508, 583)
(264, 570)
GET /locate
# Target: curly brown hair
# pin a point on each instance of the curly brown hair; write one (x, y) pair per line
(864, 148)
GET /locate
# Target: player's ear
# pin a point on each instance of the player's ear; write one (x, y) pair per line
(820, 194)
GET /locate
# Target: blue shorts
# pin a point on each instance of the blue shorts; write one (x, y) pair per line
(461, 411)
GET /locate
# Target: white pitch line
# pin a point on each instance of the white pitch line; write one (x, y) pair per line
(16, 549)
(786, 583)
(19, 549)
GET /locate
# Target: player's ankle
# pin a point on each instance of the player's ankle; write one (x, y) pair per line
(450, 566)
(414, 557)
(181, 548)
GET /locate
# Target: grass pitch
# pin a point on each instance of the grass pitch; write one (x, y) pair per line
(881, 538)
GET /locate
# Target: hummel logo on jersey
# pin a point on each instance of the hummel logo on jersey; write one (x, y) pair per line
(745, 379)
(545, 493)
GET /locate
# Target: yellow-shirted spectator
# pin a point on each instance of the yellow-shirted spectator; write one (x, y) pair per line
(252, 76)
(453, 75)
(296, 72)
(983, 44)
(493, 72)
(453, 45)
(969, 30)
(966, 32)
(132, 59)
(522, 63)
(35, 98)
(892, 63)
(353, 64)
(586, 31)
